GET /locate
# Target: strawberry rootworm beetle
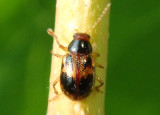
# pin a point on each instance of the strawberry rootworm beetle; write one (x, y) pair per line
(77, 75)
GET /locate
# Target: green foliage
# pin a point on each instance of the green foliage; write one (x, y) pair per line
(24, 56)
(133, 57)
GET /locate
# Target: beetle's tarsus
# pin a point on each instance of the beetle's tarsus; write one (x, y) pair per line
(95, 54)
(100, 85)
(98, 65)
(55, 90)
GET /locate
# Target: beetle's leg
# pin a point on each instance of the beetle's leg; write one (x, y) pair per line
(54, 88)
(98, 65)
(100, 85)
(50, 32)
(55, 97)
(94, 54)
(54, 84)
(57, 55)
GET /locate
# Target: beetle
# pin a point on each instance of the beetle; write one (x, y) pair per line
(77, 77)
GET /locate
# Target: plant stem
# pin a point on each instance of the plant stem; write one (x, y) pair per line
(80, 15)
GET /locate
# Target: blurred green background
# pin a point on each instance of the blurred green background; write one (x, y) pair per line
(133, 78)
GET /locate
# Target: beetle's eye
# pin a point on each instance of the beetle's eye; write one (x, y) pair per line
(75, 35)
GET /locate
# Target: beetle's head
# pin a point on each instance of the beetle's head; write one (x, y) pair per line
(81, 36)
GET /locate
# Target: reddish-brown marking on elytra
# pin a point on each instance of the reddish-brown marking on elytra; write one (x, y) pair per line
(81, 36)
(86, 72)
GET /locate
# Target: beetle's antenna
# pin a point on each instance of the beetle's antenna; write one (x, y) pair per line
(100, 18)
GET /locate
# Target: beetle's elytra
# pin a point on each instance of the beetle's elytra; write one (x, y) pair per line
(77, 75)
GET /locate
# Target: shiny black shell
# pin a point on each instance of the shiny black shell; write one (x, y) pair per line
(77, 71)
(80, 46)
